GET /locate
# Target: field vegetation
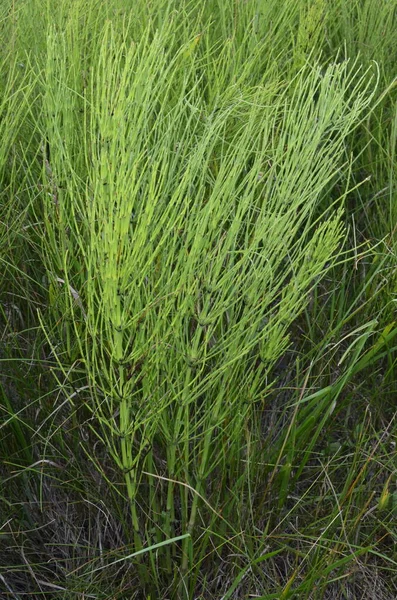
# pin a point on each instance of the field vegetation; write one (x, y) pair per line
(198, 286)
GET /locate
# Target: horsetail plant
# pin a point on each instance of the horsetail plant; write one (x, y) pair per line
(184, 174)
(185, 244)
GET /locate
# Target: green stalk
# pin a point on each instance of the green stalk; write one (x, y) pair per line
(126, 442)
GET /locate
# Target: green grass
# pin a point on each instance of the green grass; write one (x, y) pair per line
(197, 300)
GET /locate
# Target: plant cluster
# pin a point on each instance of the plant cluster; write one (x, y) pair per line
(197, 299)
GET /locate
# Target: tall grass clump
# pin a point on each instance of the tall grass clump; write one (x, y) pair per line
(200, 320)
